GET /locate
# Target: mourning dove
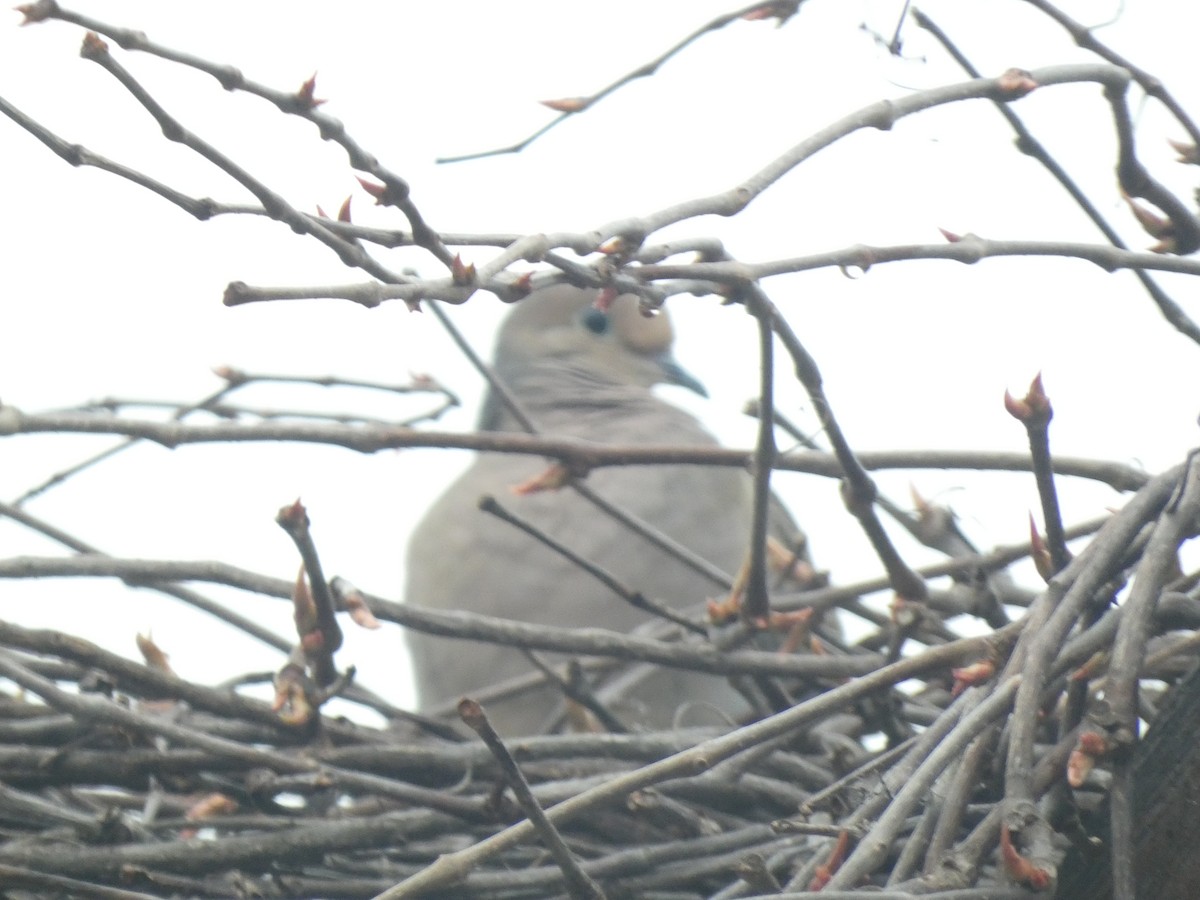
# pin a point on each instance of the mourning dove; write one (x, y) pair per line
(582, 373)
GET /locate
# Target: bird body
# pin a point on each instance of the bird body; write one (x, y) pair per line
(584, 374)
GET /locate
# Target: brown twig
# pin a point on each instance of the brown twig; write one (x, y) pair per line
(469, 626)
(1035, 412)
(576, 105)
(858, 490)
(579, 456)
(1031, 146)
(317, 626)
(299, 103)
(634, 598)
(756, 604)
(578, 883)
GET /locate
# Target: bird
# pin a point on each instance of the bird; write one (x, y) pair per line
(584, 371)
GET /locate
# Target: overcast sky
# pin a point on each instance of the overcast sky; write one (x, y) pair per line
(110, 291)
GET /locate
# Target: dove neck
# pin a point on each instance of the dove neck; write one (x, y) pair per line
(563, 399)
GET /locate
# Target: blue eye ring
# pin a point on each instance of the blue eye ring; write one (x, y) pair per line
(595, 321)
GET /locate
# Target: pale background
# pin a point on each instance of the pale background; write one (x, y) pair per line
(110, 291)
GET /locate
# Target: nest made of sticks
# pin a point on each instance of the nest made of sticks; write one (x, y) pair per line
(912, 762)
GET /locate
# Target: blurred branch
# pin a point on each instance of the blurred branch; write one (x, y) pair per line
(186, 595)
(1031, 146)
(881, 115)
(463, 625)
(579, 456)
(1056, 611)
(573, 106)
(300, 103)
(858, 490)
(698, 758)
(967, 249)
(1154, 87)
(756, 604)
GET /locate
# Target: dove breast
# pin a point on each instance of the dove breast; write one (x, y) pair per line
(586, 374)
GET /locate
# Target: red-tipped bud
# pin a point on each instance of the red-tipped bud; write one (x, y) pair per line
(462, 273)
(291, 695)
(549, 479)
(1016, 83)
(306, 92)
(294, 515)
(722, 611)
(1039, 552)
(567, 104)
(1095, 664)
(781, 10)
(1089, 748)
(153, 654)
(759, 13)
(360, 614)
(1188, 153)
(967, 676)
(304, 608)
(230, 374)
(784, 562)
(1016, 408)
(524, 284)
(93, 46)
(1034, 408)
(34, 12)
(797, 626)
(826, 870)
(1154, 224)
(378, 191)
(215, 804)
(1020, 869)
(207, 807)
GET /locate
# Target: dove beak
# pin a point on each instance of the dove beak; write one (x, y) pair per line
(674, 373)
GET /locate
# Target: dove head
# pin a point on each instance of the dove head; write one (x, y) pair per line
(558, 352)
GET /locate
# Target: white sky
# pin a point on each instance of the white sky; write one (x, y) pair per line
(109, 291)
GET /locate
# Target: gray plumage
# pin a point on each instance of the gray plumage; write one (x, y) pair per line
(580, 373)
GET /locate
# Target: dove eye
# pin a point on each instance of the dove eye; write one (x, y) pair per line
(595, 321)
